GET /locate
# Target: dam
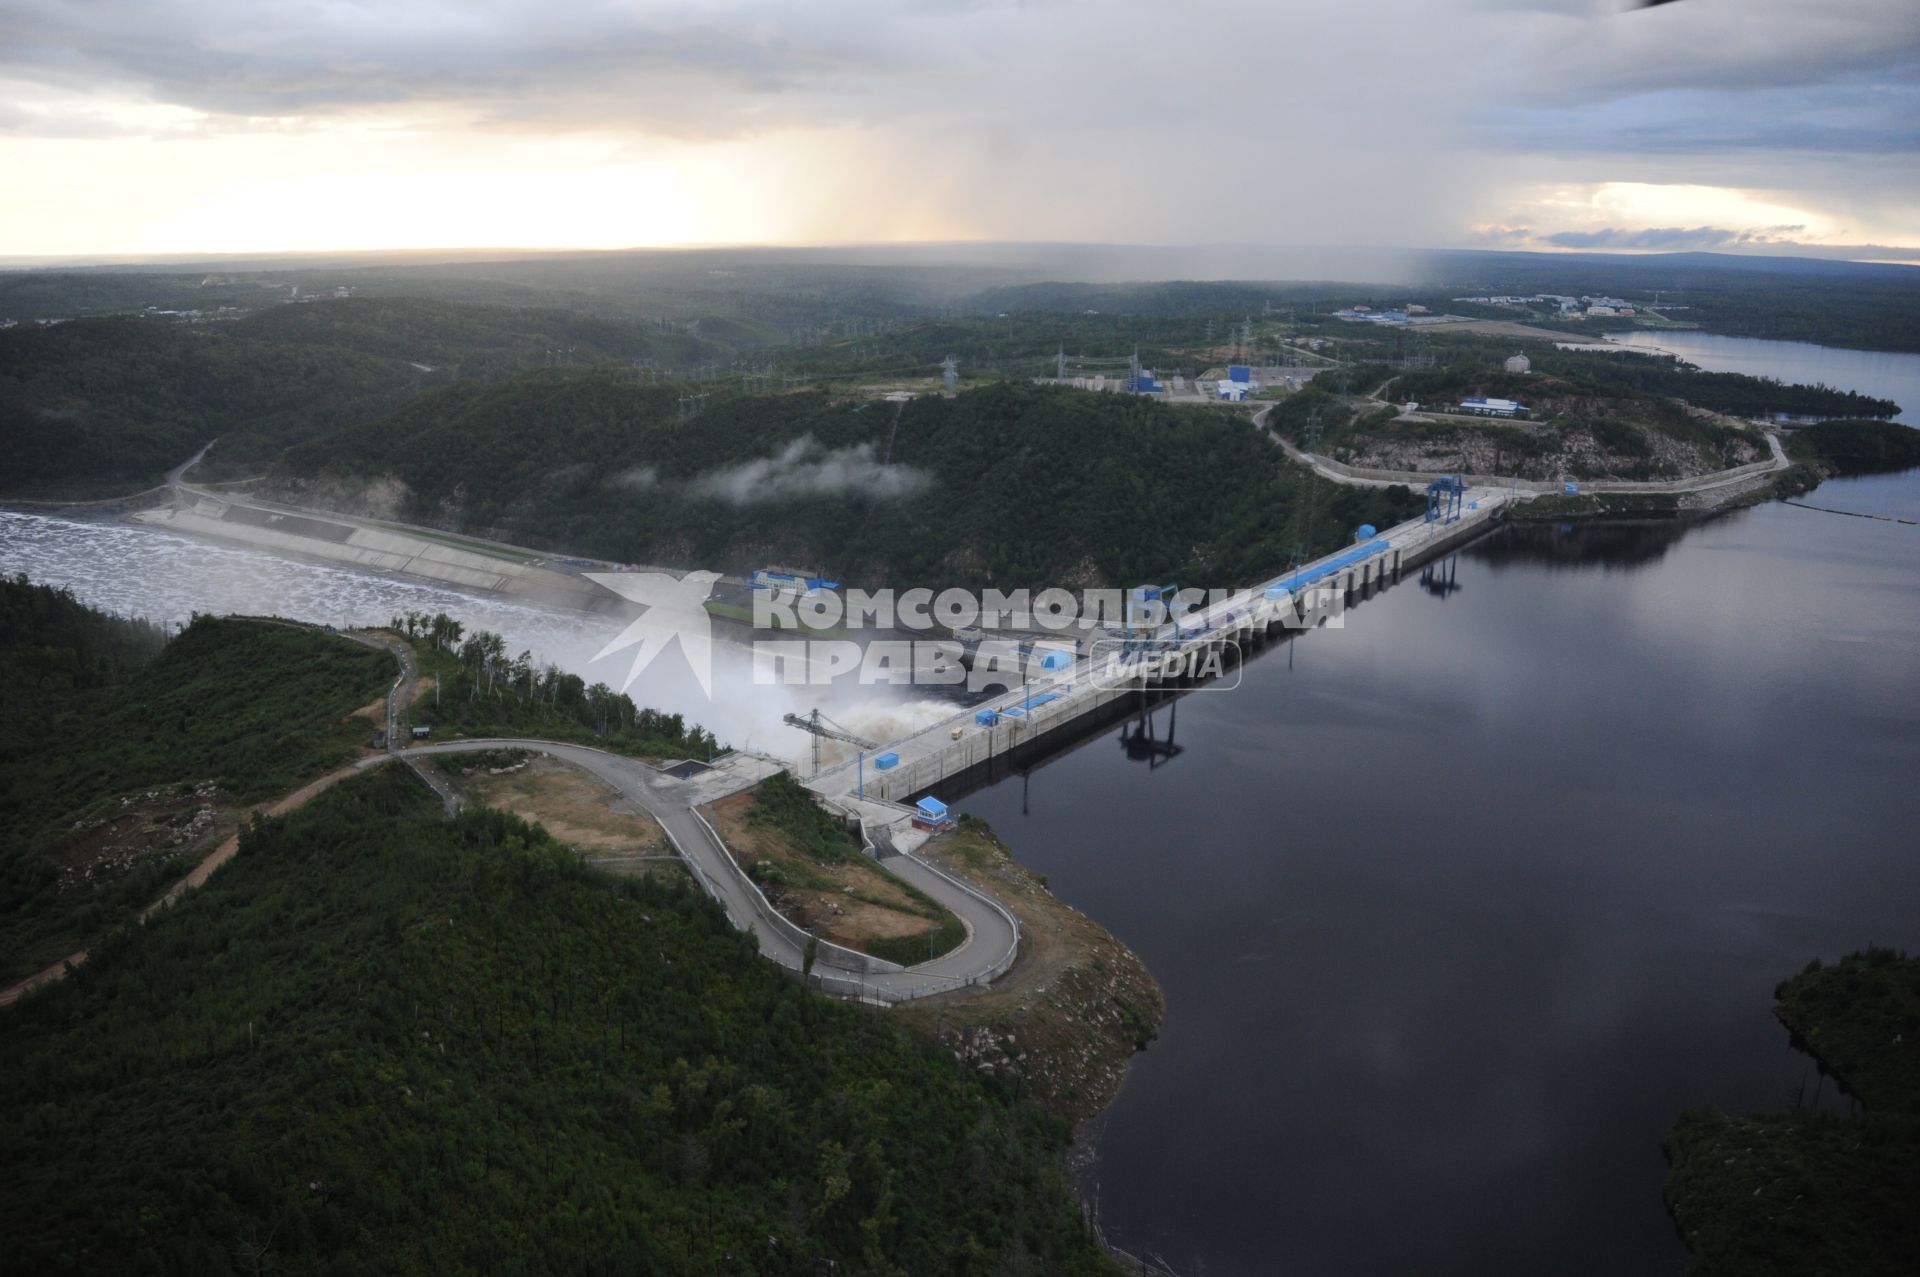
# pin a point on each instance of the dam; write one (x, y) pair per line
(963, 749)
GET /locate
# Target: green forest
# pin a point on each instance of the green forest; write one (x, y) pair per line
(97, 710)
(1808, 1189)
(382, 1041)
(1579, 426)
(1468, 362)
(1007, 485)
(1857, 447)
(106, 405)
(480, 690)
(1867, 306)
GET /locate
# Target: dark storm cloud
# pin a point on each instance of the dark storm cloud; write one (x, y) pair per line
(1205, 125)
(592, 63)
(715, 67)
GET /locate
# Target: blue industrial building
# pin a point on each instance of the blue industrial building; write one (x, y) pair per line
(776, 579)
(1307, 576)
(1480, 406)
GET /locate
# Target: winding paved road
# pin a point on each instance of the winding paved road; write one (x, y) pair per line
(992, 938)
(1695, 483)
(992, 934)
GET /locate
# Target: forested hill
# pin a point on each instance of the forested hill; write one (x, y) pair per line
(1865, 305)
(100, 406)
(383, 1041)
(474, 341)
(52, 645)
(1010, 484)
(114, 747)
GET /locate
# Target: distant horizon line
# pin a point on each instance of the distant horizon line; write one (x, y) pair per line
(1862, 254)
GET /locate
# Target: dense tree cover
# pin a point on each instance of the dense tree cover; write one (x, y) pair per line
(1644, 373)
(1637, 376)
(1194, 299)
(103, 405)
(1858, 447)
(1018, 345)
(1869, 306)
(1009, 485)
(728, 293)
(53, 645)
(43, 295)
(379, 1041)
(1860, 1017)
(735, 296)
(481, 690)
(469, 340)
(1730, 392)
(1810, 1191)
(251, 706)
(112, 403)
(1587, 428)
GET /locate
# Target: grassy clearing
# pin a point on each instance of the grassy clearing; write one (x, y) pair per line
(577, 808)
(813, 870)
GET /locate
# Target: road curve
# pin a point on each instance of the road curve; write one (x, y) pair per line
(1696, 483)
(992, 934)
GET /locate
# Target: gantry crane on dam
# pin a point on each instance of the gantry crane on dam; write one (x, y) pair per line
(824, 728)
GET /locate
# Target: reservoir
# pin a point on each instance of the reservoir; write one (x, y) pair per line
(1458, 908)
(1884, 374)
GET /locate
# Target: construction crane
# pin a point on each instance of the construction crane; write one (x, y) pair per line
(825, 728)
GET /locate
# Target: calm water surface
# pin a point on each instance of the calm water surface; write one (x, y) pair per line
(1883, 374)
(1457, 913)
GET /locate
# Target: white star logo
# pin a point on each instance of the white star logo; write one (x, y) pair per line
(674, 612)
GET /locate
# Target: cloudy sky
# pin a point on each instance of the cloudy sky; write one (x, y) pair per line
(174, 126)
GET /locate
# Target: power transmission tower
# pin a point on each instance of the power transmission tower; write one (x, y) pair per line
(949, 373)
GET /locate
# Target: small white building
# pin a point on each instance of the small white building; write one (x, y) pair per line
(1519, 363)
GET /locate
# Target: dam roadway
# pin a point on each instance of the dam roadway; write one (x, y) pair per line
(981, 735)
(960, 748)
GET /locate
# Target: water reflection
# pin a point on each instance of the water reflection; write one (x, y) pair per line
(1598, 547)
(1459, 907)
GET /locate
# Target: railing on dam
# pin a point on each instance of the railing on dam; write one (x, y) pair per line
(981, 735)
